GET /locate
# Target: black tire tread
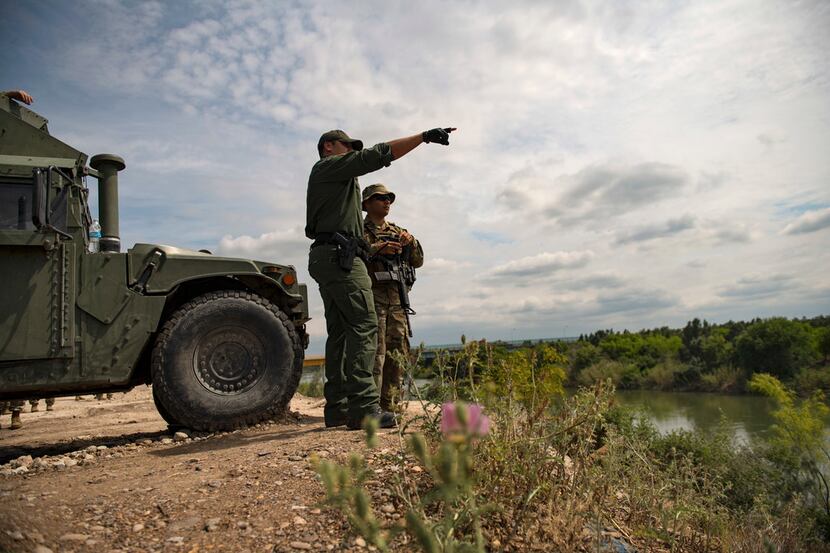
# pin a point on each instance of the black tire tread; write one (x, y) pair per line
(277, 410)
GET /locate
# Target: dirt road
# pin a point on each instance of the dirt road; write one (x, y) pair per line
(108, 476)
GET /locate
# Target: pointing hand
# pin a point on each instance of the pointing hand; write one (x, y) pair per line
(439, 135)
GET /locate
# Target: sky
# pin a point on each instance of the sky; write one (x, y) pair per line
(619, 165)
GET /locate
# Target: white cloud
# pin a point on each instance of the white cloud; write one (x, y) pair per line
(655, 231)
(277, 245)
(541, 265)
(810, 221)
(758, 286)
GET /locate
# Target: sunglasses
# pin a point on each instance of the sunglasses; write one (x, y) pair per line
(384, 197)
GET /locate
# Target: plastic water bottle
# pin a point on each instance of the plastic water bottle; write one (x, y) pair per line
(94, 236)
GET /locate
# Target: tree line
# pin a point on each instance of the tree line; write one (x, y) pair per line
(705, 356)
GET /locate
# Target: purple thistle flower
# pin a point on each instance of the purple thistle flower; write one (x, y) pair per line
(477, 424)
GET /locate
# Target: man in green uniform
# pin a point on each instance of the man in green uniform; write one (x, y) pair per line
(390, 247)
(333, 221)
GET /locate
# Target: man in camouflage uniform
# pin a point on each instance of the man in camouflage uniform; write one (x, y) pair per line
(388, 240)
(334, 222)
(16, 407)
(50, 404)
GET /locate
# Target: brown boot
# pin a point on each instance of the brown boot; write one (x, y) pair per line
(16, 420)
(34, 403)
(50, 404)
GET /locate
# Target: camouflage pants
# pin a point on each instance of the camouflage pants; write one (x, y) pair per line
(392, 337)
(14, 405)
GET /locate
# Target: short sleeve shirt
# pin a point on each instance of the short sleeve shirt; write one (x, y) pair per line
(333, 198)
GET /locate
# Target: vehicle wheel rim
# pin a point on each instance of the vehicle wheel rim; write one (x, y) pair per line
(229, 360)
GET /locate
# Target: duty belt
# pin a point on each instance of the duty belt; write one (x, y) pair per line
(348, 247)
(325, 239)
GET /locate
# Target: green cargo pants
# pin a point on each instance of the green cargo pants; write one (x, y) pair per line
(352, 328)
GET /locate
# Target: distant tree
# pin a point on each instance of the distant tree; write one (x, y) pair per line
(657, 348)
(715, 350)
(823, 335)
(776, 346)
(596, 337)
(691, 335)
(585, 355)
(621, 346)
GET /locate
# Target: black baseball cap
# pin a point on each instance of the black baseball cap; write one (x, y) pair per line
(339, 136)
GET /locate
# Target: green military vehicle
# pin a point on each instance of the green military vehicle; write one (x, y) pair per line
(220, 339)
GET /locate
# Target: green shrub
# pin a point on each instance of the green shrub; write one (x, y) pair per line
(312, 387)
(532, 376)
(723, 379)
(663, 375)
(797, 445)
(811, 379)
(776, 346)
(613, 371)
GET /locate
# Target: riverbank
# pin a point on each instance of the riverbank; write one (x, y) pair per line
(109, 476)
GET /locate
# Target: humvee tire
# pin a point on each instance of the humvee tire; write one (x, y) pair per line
(226, 360)
(163, 410)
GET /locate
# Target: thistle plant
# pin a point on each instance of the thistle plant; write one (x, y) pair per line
(345, 491)
(451, 468)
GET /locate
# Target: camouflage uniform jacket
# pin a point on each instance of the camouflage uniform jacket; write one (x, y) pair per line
(386, 293)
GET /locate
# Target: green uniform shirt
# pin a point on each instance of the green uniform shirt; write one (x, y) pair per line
(333, 198)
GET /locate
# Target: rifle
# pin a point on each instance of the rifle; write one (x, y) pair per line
(402, 273)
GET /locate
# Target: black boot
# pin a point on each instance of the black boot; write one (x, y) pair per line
(336, 419)
(385, 419)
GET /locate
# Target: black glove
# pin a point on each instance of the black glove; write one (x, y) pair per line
(439, 135)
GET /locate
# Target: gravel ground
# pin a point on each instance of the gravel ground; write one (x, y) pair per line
(108, 476)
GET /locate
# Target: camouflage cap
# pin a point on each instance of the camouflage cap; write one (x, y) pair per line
(374, 189)
(339, 136)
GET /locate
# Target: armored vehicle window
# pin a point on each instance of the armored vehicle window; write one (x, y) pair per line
(16, 206)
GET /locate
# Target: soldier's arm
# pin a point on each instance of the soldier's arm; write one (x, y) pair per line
(353, 164)
(402, 146)
(20, 95)
(416, 255)
(360, 162)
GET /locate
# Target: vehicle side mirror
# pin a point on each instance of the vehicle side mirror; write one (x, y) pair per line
(40, 197)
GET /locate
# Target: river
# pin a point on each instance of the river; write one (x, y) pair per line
(747, 417)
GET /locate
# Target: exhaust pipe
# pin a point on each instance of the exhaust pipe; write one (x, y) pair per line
(108, 166)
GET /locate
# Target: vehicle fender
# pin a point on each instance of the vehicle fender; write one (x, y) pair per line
(175, 266)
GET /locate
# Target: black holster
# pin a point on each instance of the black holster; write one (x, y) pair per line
(348, 247)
